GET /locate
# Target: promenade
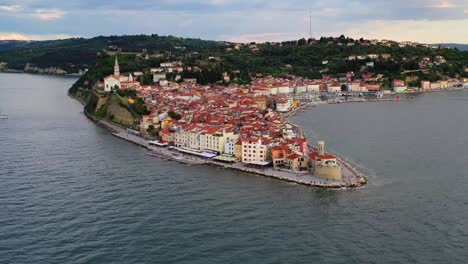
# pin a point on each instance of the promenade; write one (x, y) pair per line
(351, 177)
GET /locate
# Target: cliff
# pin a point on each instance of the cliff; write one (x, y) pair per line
(110, 107)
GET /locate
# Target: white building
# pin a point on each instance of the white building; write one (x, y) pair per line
(255, 151)
(113, 81)
(158, 76)
(300, 89)
(334, 88)
(229, 147)
(284, 104)
(313, 88)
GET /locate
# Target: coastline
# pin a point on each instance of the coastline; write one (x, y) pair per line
(41, 73)
(352, 178)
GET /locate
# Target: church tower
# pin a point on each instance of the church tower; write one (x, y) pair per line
(321, 147)
(116, 67)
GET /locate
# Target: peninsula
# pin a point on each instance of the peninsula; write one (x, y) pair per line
(196, 108)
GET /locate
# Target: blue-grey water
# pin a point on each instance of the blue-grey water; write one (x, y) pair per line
(72, 193)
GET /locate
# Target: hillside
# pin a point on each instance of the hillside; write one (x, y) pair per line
(241, 62)
(463, 47)
(80, 53)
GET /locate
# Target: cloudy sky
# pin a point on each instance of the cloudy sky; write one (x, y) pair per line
(427, 21)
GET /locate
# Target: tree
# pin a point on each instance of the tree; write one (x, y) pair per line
(301, 42)
(174, 115)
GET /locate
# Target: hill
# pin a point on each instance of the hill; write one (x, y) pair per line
(80, 53)
(463, 47)
(310, 58)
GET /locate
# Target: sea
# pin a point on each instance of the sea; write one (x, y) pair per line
(70, 192)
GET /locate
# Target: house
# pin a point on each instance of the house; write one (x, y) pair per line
(313, 88)
(435, 86)
(399, 86)
(297, 162)
(255, 151)
(356, 87)
(283, 104)
(214, 139)
(158, 76)
(230, 146)
(300, 89)
(425, 85)
(385, 56)
(238, 149)
(277, 155)
(334, 88)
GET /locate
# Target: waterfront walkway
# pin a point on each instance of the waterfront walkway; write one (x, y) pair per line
(351, 177)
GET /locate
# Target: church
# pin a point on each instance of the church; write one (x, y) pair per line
(115, 80)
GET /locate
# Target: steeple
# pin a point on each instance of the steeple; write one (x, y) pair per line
(116, 67)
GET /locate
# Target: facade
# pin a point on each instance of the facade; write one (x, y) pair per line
(324, 165)
(425, 85)
(313, 88)
(297, 162)
(115, 80)
(334, 88)
(283, 104)
(255, 151)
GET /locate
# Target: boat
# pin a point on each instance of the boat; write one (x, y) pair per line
(3, 116)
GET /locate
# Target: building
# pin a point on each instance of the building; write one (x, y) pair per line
(324, 165)
(297, 162)
(313, 88)
(399, 86)
(113, 81)
(255, 151)
(215, 139)
(425, 85)
(334, 88)
(284, 104)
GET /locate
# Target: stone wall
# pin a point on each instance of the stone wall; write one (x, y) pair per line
(329, 173)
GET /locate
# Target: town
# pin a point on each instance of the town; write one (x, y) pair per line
(243, 127)
(227, 104)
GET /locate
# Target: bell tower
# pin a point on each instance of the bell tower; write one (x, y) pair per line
(116, 67)
(321, 147)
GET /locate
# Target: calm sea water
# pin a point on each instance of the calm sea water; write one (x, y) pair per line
(72, 193)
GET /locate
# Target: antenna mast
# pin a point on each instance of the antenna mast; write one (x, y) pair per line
(310, 22)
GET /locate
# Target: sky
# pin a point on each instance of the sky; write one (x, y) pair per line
(427, 21)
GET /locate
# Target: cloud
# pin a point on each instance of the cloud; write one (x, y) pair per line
(425, 31)
(48, 14)
(10, 8)
(445, 4)
(239, 20)
(19, 36)
(218, 2)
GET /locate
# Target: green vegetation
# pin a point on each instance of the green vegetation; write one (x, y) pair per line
(305, 57)
(80, 53)
(174, 115)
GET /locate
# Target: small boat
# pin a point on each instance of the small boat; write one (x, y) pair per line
(3, 116)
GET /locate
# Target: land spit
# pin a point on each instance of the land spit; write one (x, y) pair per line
(351, 176)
